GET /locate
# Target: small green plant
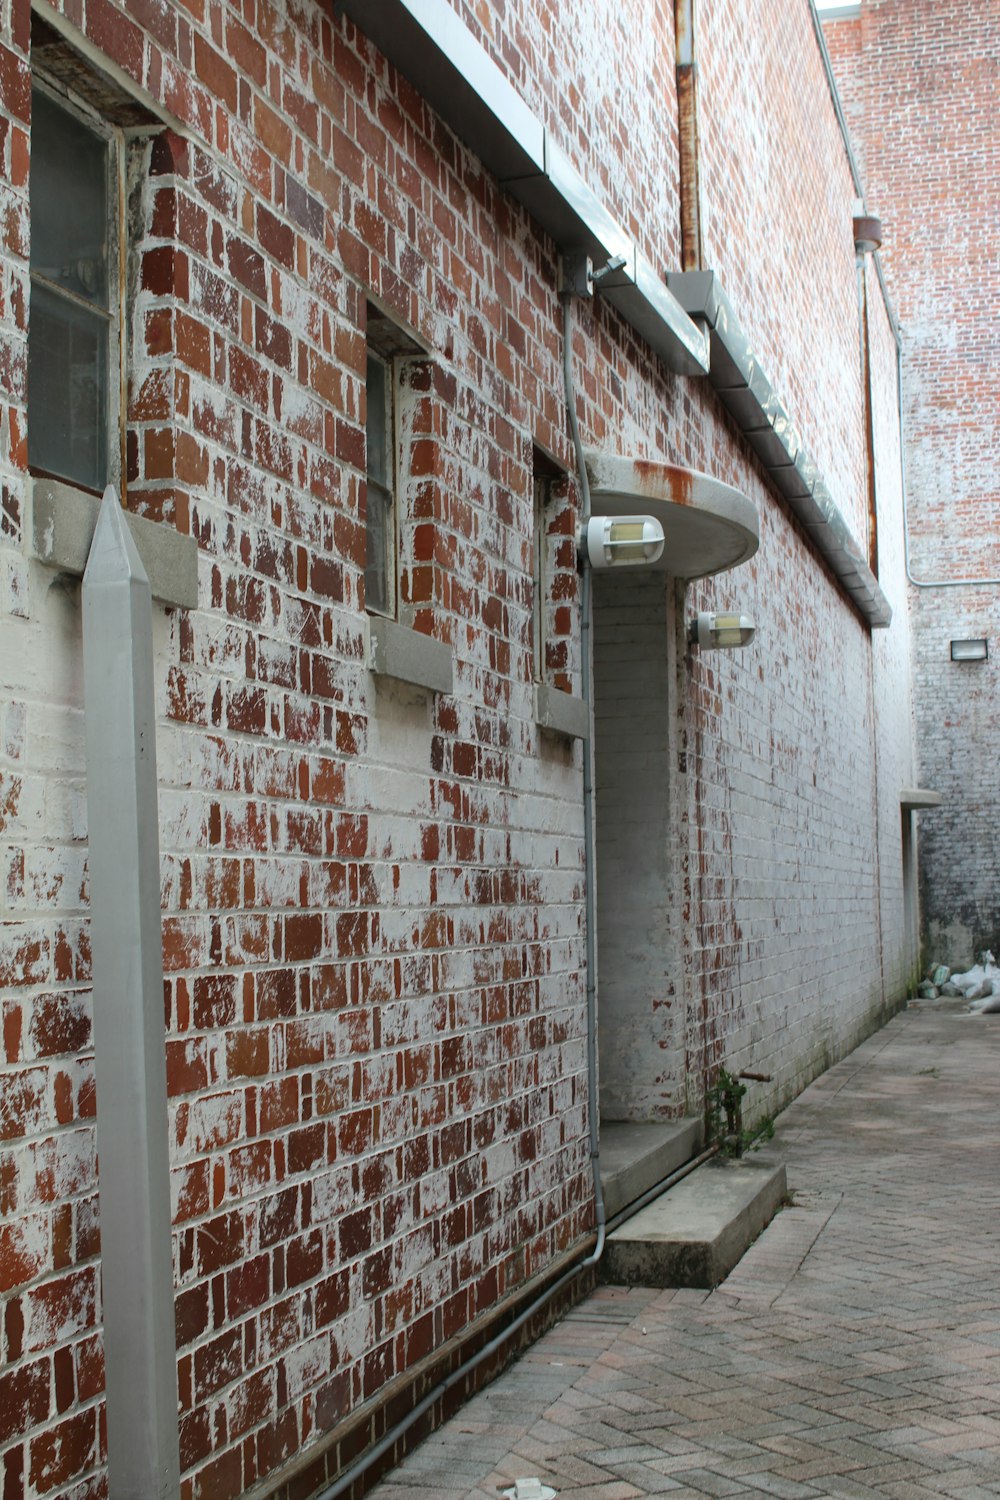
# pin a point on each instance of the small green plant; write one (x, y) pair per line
(724, 1118)
(724, 1112)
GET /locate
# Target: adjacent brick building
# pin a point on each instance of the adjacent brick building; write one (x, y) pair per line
(310, 325)
(919, 84)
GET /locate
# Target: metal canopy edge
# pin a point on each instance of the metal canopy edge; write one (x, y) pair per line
(432, 47)
(747, 393)
(709, 526)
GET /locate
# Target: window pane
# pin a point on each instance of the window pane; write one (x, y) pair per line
(69, 201)
(541, 494)
(378, 551)
(67, 389)
(377, 424)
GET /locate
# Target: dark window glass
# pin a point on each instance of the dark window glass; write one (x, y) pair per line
(67, 390)
(380, 552)
(70, 321)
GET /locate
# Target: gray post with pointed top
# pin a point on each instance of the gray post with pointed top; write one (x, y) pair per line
(130, 1059)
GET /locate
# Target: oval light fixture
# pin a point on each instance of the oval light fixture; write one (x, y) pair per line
(711, 631)
(621, 541)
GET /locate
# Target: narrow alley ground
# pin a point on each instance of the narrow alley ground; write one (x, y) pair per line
(855, 1351)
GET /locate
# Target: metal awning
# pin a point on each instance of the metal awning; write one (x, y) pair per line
(435, 50)
(709, 526)
(746, 391)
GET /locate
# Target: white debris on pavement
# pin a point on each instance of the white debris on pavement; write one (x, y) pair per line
(979, 986)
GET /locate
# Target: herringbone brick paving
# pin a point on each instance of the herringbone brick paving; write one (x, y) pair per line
(855, 1351)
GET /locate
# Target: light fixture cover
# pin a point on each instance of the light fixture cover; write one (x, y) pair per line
(615, 541)
(969, 650)
(713, 631)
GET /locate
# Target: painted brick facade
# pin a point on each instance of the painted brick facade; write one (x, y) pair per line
(920, 89)
(373, 895)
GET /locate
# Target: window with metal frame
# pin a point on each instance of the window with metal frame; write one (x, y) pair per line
(380, 523)
(544, 473)
(75, 322)
(389, 349)
(540, 492)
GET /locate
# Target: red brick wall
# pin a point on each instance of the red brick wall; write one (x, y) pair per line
(778, 196)
(373, 897)
(921, 92)
(601, 78)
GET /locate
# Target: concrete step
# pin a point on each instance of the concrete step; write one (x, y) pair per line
(635, 1157)
(694, 1234)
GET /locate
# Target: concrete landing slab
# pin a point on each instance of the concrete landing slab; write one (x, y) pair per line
(635, 1157)
(694, 1234)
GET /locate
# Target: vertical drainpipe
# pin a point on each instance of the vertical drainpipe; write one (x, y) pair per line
(692, 246)
(589, 831)
(130, 1065)
(692, 259)
(867, 238)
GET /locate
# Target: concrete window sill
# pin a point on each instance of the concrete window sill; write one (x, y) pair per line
(408, 656)
(561, 713)
(62, 525)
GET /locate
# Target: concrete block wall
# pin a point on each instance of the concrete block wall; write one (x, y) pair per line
(921, 93)
(639, 931)
(373, 912)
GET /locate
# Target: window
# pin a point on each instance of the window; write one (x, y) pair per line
(543, 473)
(74, 334)
(540, 488)
(380, 532)
(92, 149)
(389, 350)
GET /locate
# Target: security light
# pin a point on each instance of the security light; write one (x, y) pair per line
(616, 541)
(713, 632)
(969, 651)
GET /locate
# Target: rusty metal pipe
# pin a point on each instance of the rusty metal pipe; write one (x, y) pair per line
(688, 136)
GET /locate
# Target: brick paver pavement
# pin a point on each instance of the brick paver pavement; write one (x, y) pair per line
(855, 1351)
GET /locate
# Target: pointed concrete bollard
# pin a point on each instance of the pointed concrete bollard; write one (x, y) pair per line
(129, 1043)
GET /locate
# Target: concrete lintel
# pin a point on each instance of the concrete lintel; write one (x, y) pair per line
(560, 713)
(63, 522)
(916, 798)
(396, 651)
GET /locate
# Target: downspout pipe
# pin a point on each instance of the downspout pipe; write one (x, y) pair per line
(688, 136)
(918, 583)
(590, 860)
(140, 1353)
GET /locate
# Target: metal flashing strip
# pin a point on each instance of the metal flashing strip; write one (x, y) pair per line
(432, 47)
(747, 393)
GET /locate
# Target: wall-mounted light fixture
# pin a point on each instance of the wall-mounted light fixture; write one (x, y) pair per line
(867, 229)
(867, 233)
(615, 541)
(969, 651)
(713, 632)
